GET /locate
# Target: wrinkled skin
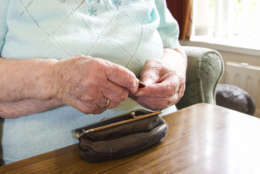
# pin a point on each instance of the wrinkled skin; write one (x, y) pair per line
(86, 83)
(163, 86)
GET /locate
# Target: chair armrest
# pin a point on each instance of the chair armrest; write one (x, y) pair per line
(205, 68)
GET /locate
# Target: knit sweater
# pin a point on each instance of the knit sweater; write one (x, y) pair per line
(126, 32)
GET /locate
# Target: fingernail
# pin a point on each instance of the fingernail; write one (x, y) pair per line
(141, 84)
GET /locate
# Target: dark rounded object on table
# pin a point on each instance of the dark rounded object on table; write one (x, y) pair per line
(235, 98)
(122, 140)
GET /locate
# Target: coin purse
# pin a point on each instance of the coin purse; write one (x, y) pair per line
(121, 136)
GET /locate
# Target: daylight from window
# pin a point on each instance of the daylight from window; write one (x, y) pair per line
(231, 22)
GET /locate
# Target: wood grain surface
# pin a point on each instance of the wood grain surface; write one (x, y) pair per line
(202, 139)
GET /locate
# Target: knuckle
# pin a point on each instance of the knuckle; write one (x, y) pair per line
(96, 65)
(130, 76)
(98, 111)
(114, 104)
(88, 98)
(123, 95)
(86, 110)
(92, 62)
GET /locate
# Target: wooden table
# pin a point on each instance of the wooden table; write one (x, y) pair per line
(202, 139)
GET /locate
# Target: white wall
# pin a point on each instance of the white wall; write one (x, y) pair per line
(239, 57)
(234, 57)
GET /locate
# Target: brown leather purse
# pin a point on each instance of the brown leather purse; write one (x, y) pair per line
(121, 136)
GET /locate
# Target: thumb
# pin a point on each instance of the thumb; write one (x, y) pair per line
(122, 77)
(150, 76)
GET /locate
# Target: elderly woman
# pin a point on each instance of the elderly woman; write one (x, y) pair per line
(69, 63)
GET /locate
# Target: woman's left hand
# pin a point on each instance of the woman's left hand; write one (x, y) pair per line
(164, 81)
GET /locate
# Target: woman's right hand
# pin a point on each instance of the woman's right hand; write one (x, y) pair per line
(92, 85)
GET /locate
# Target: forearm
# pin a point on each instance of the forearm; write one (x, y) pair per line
(176, 60)
(26, 107)
(26, 79)
(26, 87)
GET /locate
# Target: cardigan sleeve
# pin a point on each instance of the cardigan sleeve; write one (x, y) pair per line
(3, 24)
(168, 28)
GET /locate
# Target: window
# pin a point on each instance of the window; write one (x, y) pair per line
(228, 22)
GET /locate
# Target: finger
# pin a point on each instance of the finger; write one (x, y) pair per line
(181, 91)
(151, 71)
(114, 92)
(113, 104)
(96, 97)
(150, 76)
(85, 107)
(91, 108)
(166, 88)
(122, 77)
(99, 111)
(156, 103)
(102, 102)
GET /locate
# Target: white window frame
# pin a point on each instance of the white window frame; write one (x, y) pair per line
(222, 28)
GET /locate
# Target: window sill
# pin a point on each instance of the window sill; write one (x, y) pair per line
(221, 46)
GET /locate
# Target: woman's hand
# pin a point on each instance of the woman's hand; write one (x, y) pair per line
(35, 85)
(93, 85)
(164, 80)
